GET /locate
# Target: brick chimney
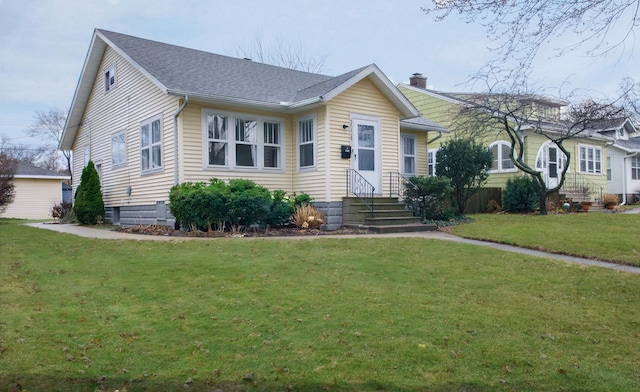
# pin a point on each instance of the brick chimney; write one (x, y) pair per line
(419, 81)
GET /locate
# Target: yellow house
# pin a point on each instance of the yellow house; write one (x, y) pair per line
(151, 115)
(36, 191)
(586, 177)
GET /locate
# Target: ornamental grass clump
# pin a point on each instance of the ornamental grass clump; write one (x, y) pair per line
(307, 217)
(610, 199)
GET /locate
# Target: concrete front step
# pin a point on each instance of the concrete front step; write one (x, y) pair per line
(399, 228)
(391, 220)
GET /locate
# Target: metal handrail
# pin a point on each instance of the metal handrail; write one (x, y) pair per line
(398, 183)
(361, 188)
(577, 183)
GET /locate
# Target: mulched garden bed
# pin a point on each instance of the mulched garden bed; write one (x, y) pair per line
(269, 232)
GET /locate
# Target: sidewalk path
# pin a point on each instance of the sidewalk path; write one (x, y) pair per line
(89, 232)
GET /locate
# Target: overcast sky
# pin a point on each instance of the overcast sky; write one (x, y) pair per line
(43, 44)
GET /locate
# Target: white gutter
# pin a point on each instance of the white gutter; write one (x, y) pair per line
(176, 172)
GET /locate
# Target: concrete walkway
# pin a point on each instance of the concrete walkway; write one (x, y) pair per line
(89, 232)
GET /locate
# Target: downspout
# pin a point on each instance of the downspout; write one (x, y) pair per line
(434, 139)
(176, 172)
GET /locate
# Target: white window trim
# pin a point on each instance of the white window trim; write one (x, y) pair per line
(634, 168)
(500, 158)
(124, 161)
(314, 119)
(87, 155)
(108, 74)
(150, 121)
(231, 141)
(435, 154)
(588, 147)
(414, 155)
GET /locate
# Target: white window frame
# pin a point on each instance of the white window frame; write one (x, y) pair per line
(312, 141)
(119, 149)
(87, 155)
(609, 168)
(404, 155)
(431, 161)
(635, 168)
(231, 144)
(501, 159)
(152, 147)
(592, 155)
(110, 80)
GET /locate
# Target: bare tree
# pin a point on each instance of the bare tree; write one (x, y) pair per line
(513, 115)
(7, 171)
(48, 127)
(285, 55)
(23, 152)
(521, 27)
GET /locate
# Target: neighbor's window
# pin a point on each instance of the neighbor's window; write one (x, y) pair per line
(590, 159)
(87, 155)
(244, 146)
(635, 168)
(431, 161)
(118, 149)
(501, 152)
(609, 177)
(409, 155)
(306, 142)
(110, 78)
(151, 144)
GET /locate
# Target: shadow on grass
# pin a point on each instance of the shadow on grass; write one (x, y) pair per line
(71, 384)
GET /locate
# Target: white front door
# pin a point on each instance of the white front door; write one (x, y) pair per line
(550, 161)
(366, 156)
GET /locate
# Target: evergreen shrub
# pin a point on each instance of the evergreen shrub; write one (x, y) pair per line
(89, 206)
(520, 195)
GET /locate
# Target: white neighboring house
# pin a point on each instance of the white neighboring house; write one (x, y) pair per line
(623, 159)
(36, 191)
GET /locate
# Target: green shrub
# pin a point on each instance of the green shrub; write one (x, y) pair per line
(520, 195)
(249, 203)
(89, 206)
(427, 196)
(281, 208)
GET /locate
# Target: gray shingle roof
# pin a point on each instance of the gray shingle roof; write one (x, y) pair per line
(193, 72)
(26, 170)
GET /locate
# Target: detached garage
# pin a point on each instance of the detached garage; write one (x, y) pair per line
(36, 191)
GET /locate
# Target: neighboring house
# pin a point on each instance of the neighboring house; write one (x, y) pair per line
(151, 115)
(586, 168)
(622, 158)
(36, 190)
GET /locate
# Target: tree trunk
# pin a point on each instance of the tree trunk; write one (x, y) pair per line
(542, 200)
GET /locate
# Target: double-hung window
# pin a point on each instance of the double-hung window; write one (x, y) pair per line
(590, 159)
(431, 162)
(110, 78)
(246, 143)
(306, 142)
(635, 168)
(242, 141)
(408, 155)
(502, 162)
(151, 144)
(272, 141)
(118, 149)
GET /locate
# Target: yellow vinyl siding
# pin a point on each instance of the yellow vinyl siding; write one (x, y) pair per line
(34, 198)
(193, 147)
(364, 99)
(133, 100)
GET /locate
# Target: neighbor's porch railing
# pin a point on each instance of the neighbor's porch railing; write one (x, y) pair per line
(361, 188)
(576, 183)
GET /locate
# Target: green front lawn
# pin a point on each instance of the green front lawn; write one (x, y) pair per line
(601, 236)
(369, 314)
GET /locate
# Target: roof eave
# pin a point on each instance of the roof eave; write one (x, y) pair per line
(383, 83)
